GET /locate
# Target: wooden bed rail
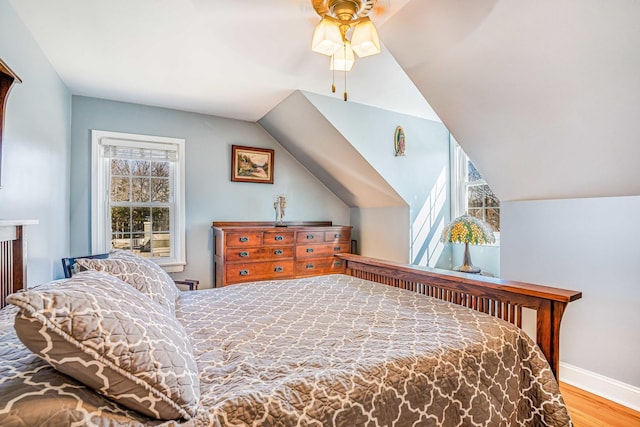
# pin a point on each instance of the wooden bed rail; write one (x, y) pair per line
(496, 297)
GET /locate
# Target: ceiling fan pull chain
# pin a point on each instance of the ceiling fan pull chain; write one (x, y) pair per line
(333, 78)
(345, 86)
(345, 74)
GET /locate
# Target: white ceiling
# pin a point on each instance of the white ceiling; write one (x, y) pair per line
(543, 95)
(235, 59)
(316, 143)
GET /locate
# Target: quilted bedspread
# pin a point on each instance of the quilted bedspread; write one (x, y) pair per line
(328, 350)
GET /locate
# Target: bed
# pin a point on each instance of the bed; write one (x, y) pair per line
(341, 350)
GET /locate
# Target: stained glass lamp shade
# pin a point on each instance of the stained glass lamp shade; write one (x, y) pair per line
(468, 230)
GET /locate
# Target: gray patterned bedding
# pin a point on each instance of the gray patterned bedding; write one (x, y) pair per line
(328, 350)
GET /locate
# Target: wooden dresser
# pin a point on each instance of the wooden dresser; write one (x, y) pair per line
(250, 251)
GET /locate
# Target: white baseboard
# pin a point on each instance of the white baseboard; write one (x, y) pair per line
(614, 390)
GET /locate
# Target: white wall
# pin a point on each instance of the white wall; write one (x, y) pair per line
(589, 245)
(210, 194)
(35, 181)
(315, 142)
(541, 94)
(421, 177)
(486, 257)
(382, 232)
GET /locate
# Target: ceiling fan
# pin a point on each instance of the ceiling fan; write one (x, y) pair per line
(344, 31)
(371, 8)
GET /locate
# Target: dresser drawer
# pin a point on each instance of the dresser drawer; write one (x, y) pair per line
(259, 254)
(243, 238)
(248, 272)
(277, 238)
(315, 267)
(246, 251)
(310, 236)
(327, 249)
(337, 236)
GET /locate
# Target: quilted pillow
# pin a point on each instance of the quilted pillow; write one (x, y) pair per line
(107, 335)
(141, 273)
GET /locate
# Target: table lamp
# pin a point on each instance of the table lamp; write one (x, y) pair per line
(468, 229)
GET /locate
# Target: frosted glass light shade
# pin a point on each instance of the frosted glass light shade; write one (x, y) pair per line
(365, 39)
(343, 59)
(326, 37)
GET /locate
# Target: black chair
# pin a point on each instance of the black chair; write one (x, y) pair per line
(68, 266)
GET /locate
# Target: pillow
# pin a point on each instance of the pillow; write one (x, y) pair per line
(141, 273)
(107, 335)
(127, 255)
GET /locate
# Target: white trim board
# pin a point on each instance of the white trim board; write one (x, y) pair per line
(608, 388)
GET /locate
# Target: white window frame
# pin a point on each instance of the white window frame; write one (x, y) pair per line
(460, 185)
(100, 222)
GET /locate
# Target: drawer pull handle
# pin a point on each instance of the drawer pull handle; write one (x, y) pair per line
(337, 236)
(310, 236)
(277, 252)
(278, 269)
(336, 248)
(244, 239)
(309, 250)
(244, 272)
(279, 238)
(244, 254)
(309, 266)
(337, 264)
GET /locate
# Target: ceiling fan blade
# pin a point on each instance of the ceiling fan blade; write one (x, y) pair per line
(381, 7)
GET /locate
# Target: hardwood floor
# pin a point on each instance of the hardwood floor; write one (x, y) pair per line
(589, 410)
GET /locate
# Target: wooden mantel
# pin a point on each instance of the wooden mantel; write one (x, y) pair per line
(13, 256)
(17, 222)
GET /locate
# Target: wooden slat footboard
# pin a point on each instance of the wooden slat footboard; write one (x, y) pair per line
(499, 298)
(13, 267)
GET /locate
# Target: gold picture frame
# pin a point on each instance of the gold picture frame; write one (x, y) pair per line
(249, 164)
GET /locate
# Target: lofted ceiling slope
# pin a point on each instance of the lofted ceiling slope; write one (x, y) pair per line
(543, 95)
(302, 129)
(235, 59)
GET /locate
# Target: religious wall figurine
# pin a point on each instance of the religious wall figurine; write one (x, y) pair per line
(399, 141)
(279, 205)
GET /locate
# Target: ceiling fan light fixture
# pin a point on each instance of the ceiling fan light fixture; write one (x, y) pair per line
(344, 27)
(365, 41)
(327, 38)
(343, 59)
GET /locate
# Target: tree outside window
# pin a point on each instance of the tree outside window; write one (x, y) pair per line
(140, 207)
(471, 193)
(481, 202)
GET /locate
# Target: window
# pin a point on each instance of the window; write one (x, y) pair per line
(472, 193)
(138, 196)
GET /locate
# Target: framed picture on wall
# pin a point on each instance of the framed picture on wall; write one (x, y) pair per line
(251, 164)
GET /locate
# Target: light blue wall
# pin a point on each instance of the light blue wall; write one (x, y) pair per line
(210, 195)
(35, 181)
(421, 177)
(588, 245)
